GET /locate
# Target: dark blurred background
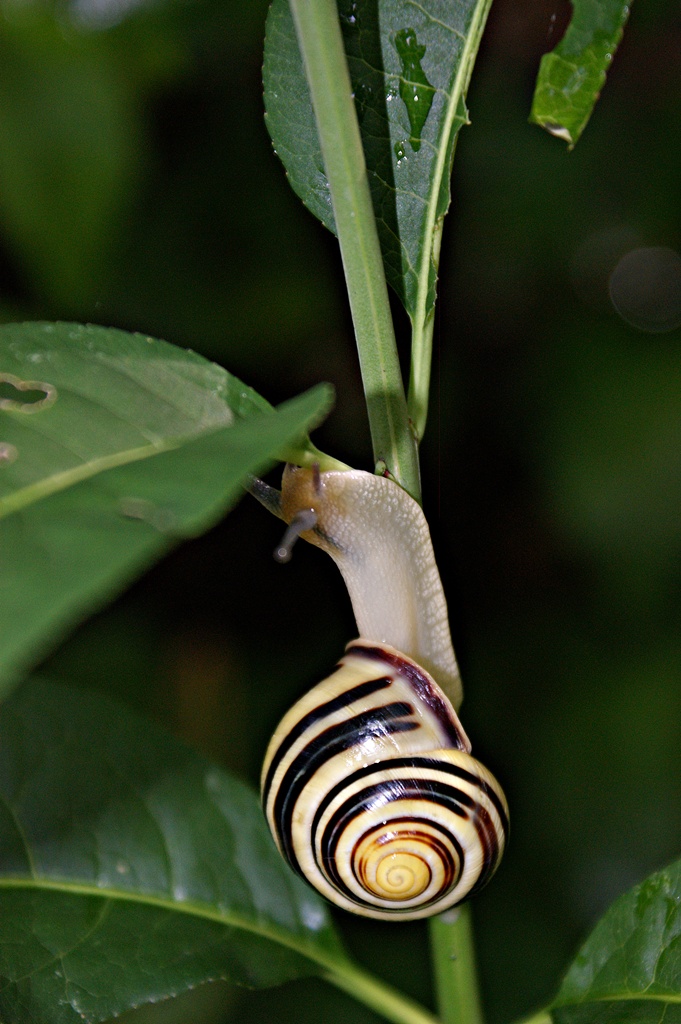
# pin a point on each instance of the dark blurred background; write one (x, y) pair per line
(138, 189)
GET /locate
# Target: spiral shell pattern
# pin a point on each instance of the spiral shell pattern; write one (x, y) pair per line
(372, 795)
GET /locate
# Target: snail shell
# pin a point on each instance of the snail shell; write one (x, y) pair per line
(368, 784)
(372, 795)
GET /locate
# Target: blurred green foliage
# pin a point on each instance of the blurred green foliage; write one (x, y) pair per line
(138, 189)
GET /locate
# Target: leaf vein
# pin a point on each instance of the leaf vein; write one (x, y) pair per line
(436, 21)
(22, 835)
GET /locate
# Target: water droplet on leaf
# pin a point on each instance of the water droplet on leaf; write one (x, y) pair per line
(348, 15)
(8, 453)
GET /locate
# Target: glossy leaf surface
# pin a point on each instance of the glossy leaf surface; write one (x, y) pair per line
(112, 447)
(132, 869)
(410, 65)
(629, 969)
(571, 76)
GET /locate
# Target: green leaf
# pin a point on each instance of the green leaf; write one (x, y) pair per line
(410, 66)
(571, 77)
(629, 969)
(132, 869)
(112, 447)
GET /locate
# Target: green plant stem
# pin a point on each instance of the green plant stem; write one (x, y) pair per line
(456, 984)
(321, 45)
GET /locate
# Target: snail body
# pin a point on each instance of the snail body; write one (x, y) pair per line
(368, 784)
(379, 538)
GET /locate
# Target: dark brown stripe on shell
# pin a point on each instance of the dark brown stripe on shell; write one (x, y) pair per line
(452, 869)
(416, 762)
(412, 833)
(322, 711)
(384, 792)
(374, 723)
(421, 685)
(491, 849)
(377, 798)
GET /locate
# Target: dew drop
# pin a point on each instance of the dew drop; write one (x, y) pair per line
(451, 916)
(8, 454)
(349, 15)
(312, 916)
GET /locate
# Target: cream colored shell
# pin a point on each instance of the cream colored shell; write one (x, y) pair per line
(372, 795)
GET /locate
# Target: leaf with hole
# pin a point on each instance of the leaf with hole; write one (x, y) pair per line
(132, 869)
(113, 446)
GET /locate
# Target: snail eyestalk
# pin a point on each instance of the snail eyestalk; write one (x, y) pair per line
(304, 520)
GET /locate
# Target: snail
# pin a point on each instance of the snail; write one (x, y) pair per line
(368, 784)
